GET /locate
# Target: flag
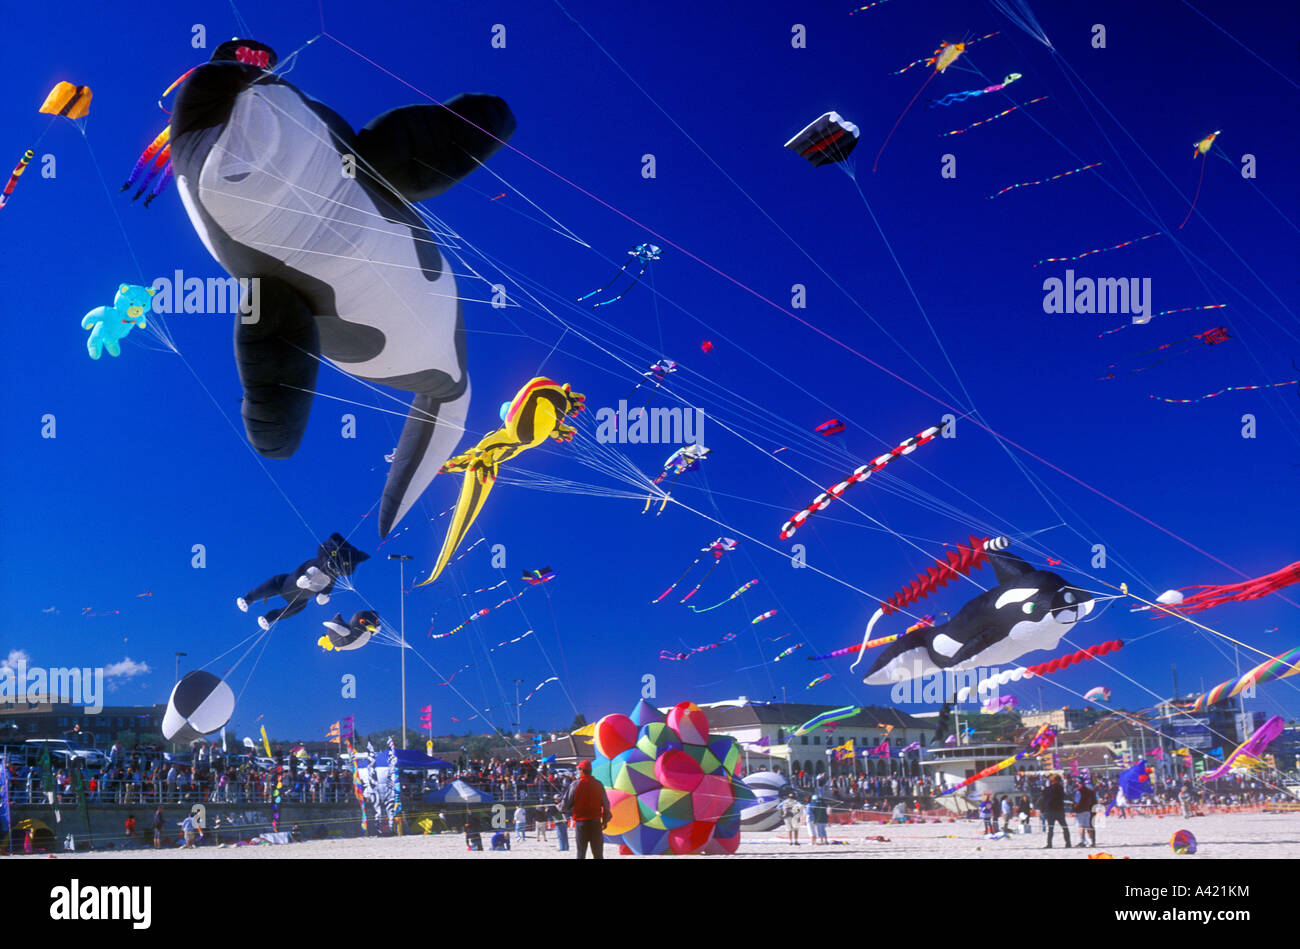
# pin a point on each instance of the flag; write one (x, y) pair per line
(266, 743)
(348, 728)
(333, 734)
(914, 746)
(426, 717)
(1158, 754)
(881, 749)
(840, 752)
(5, 822)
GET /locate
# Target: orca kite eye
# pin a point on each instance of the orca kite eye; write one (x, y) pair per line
(1069, 597)
(1028, 607)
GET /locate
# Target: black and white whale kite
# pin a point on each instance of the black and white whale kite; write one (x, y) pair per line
(1029, 609)
(281, 189)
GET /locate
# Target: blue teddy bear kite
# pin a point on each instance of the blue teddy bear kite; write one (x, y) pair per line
(108, 325)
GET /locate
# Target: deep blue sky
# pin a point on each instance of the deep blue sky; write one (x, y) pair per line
(145, 465)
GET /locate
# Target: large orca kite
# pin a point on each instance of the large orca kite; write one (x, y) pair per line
(281, 189)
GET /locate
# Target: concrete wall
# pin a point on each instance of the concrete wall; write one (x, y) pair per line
(238, 821)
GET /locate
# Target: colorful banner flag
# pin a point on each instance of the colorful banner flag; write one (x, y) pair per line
(332, 735)
(348, 729)
(266, 743)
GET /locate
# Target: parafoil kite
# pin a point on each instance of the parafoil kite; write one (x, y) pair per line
(823, 500)
(1199, 150)
(1043, 739)
(830, 427)
(1100, 692)
(825, 140)
(1029, 609)
(345, 635)
(658, 373)
(537, 412)
(1209, 595)
(67, 100)
(537, 577)
(685, 459)
(672, 786)
(258, 167)
(335, 559)
(716, 549)
(199, 705)
(109, 325)
(1249, 754)
(645, 253)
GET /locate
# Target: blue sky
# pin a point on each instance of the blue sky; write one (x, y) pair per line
(150, 458)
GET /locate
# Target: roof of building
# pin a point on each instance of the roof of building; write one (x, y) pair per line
(794, 714)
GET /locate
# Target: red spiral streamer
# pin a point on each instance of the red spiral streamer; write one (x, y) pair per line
(1064, 662)
(960, 562)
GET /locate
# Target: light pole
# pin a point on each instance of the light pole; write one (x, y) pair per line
(401, 589)
(179, 655)
(518, 716)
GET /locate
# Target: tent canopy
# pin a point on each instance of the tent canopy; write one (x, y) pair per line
(458, 792)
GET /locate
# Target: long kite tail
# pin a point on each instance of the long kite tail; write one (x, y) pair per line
(933, 73)
(663, 595)
(701, 583)
(1195, 197)
(618, 273)
(639, 273)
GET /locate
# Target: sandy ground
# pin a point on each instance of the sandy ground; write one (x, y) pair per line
(1219, 836)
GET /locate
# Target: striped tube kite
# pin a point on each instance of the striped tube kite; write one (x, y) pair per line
(1207, 596)
(1042, 740)
(823, 500)
(695, 609)
(537, 412)
(1279, 667)
(15, 175)
(991, 118)
(954, 97)
(826, 718)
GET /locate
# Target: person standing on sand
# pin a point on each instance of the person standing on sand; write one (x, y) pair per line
(561, 825)
(587, 801)
(1052, 804)
(1084, 799)
(790, 812)
(157, 828)
(521, 823)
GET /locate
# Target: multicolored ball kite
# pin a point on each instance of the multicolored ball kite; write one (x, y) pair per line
(672, 787)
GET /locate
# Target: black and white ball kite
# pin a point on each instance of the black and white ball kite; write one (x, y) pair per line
(199, 705)
(765, 813)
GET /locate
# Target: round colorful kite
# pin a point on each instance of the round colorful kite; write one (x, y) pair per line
(1183, 841)
(672, 788)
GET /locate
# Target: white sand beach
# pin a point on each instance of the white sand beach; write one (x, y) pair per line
(1219, 837)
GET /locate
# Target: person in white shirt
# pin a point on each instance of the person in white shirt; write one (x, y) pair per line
(521, 823)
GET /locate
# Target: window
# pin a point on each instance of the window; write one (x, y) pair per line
(803, 739)
(817, 739)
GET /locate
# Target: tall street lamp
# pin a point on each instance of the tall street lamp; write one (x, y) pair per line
(401, 589)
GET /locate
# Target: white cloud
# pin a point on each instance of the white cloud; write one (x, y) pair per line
(126, 669)
(15, 656)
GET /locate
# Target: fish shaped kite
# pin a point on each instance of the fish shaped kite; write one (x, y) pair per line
(537, 412)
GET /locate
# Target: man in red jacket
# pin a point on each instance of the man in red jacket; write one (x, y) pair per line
(587, 801)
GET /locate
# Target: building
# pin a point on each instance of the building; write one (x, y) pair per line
(1062, 719)
(132, 723)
